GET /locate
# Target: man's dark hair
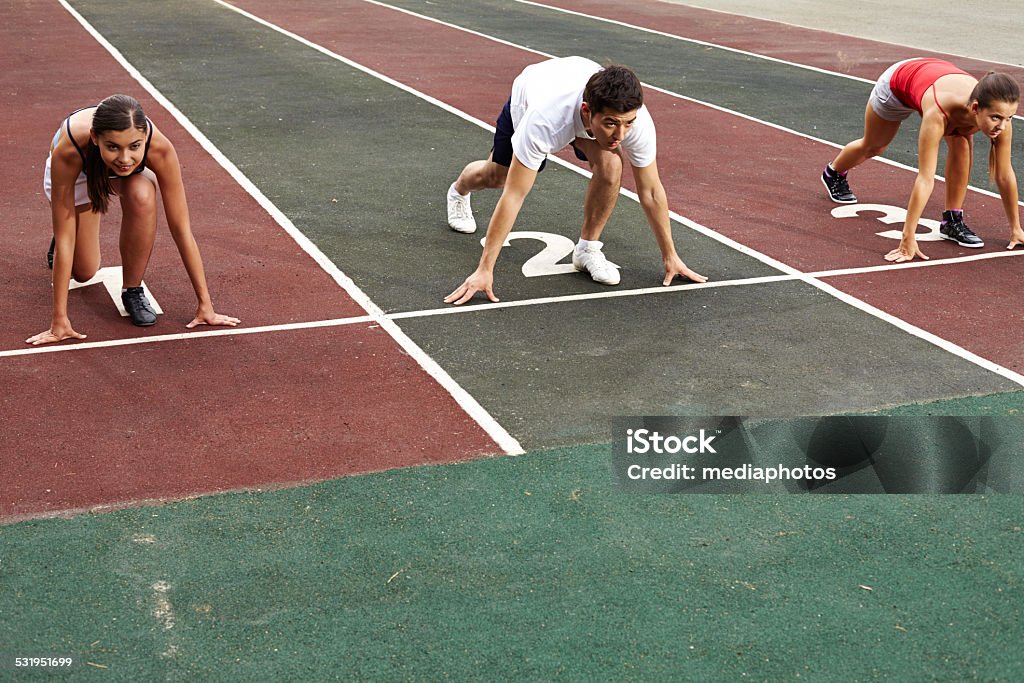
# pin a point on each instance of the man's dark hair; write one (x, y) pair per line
(614, 88)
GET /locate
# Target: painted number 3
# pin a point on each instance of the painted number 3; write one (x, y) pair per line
(891, 215)
(556, 248)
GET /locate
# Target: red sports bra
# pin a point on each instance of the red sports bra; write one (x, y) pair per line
(910, 81)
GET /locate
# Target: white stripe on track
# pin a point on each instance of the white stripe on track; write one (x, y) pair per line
(179, 336)
(454, 310)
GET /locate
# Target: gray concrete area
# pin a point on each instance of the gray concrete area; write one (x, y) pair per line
(982, 30)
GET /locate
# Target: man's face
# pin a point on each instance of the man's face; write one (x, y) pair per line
(608, 127)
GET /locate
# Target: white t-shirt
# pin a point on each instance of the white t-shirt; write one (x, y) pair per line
(546, 99)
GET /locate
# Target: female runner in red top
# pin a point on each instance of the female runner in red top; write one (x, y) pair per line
(953, 106)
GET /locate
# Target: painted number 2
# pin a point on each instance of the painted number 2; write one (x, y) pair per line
(891, 215)
(556, 248)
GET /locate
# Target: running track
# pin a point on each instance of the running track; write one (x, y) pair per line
(295, 405)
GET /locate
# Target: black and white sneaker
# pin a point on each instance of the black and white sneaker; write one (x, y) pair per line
(838, 188)
(49, 254)
(138, 306)
(953, 228)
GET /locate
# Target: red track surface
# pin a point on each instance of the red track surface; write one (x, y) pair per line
(705, 158)
(114, 425)
(166, 420)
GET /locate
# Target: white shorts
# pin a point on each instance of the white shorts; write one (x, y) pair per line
(883, 102)
(81, 192)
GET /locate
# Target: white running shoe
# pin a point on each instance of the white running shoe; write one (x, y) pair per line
(593, 261)
(460, 214)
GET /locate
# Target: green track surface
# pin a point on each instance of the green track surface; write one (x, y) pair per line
(522, 568)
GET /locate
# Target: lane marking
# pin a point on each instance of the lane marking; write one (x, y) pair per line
(745, 53)
(162, 611)
(956, 350)
(545, 262)
(809, 278)
(538, 301)
(179, 336)
(469, 404)
(891, 215)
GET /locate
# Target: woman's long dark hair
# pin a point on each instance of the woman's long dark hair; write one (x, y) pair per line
(994, 87)
(116, 113)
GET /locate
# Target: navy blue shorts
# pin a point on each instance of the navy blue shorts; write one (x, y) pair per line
(501, 153)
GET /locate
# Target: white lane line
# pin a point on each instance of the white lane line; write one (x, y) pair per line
(959, 351)
(563, 298)
(179, 336)
(727, 48)
(810, 278)
(469, 404)
(538, 301)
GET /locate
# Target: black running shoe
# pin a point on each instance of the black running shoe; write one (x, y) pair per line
(49, 254)
(953, 228)
(137, 305)
(838, 188)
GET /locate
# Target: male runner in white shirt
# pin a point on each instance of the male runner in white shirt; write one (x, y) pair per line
(600, 112)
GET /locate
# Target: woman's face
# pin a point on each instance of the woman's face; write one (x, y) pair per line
(121, 150)
(995, 118)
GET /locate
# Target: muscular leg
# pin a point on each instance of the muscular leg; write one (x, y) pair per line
(87, 243)
(878, 133)
(479, 175)
(958, 170)
(138, 224)
(603, 189)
